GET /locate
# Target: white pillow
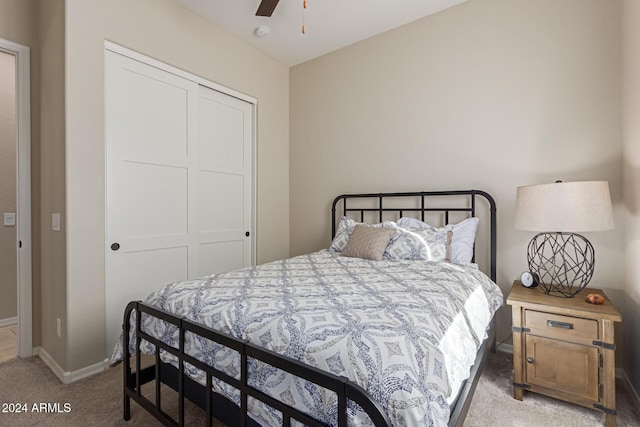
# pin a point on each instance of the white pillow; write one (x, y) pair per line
(412, 222)
(464, 236)
(462, 240)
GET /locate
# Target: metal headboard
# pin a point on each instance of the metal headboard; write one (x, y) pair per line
(421, 207)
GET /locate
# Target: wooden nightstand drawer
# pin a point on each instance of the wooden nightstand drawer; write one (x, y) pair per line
(559, 326)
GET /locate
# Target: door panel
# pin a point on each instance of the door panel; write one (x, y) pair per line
(221, 202)
(223, 138)
(154, 201)
(138, 273)
(221, 256)
(152, 110)
(178, 185)
(225, 181)
(563, 366)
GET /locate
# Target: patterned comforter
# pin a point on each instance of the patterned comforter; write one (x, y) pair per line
(407, 331)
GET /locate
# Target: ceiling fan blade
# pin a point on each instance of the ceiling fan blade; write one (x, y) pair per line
(267, 7)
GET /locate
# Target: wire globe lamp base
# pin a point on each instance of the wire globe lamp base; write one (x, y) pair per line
(564, 262)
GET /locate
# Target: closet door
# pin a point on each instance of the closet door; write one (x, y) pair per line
(224, 181)
(178, 189)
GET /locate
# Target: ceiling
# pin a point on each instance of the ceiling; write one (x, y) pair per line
(330, 24)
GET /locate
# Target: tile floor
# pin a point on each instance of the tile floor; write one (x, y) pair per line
(8, 342)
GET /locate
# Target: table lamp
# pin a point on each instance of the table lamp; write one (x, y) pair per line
(562, 259)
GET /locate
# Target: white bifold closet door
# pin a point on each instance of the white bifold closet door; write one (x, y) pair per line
(178, 182)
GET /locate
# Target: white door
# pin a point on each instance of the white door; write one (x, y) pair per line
(174, 209)
(225, 182)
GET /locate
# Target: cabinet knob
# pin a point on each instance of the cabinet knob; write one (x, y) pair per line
(115, 246)
(529, 359)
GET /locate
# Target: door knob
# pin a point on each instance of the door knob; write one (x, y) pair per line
(529, 359)
(115, 246)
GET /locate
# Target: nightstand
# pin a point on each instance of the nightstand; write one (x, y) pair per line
(564, 348)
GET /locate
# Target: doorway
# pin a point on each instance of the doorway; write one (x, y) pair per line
(8, 208)
(15, 200)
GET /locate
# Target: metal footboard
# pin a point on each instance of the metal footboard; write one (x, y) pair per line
(134, 380)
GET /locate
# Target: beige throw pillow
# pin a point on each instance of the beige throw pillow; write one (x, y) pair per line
(368, 242)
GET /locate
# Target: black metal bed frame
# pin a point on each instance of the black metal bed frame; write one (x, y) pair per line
(228, 412)
(421, 197)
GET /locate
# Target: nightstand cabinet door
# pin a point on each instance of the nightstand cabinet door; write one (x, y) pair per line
(562, 366)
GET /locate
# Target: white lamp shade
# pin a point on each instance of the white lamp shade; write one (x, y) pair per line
(564, 207)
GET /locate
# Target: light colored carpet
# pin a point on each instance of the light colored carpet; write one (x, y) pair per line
(493, 404)
(94, 401)
(97, 401)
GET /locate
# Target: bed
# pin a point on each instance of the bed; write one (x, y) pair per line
(330, 338)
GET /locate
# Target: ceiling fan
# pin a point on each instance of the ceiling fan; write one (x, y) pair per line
(266, 7)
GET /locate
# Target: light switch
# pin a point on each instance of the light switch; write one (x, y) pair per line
(9, 218)
(55, 221)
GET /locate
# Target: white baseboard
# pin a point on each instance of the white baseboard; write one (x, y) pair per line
(8, 322)
(87, 371)
(69, 377)
(50, 362)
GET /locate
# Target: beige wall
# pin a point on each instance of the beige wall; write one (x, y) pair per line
(167, 32)
(490, 95)
(51, 39)
(8, 195)
(631, 185)
(16, 21)
(18, 24)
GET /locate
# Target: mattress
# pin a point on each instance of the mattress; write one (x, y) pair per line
(406, 331)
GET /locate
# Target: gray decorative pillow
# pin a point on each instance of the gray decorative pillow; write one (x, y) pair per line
(368, 242)
(426, 243)
(345, 228)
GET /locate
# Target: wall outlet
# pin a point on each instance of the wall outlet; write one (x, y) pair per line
(59, 327)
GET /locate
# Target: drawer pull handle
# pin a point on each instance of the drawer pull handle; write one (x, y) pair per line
(563, 325)
(529, 359)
